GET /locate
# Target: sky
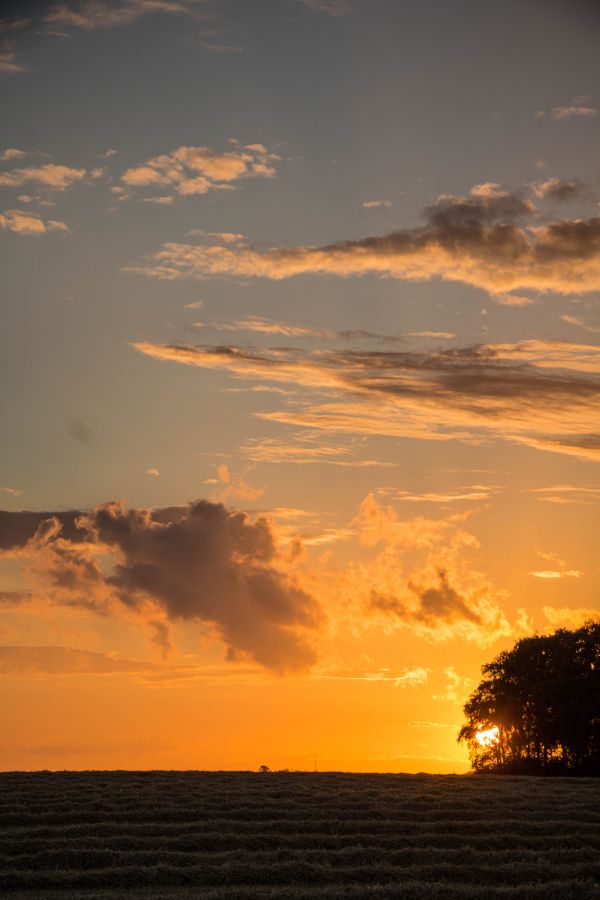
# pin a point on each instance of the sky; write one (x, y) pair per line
(300, 372)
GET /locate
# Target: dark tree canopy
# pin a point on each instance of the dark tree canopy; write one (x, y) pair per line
(540, 704)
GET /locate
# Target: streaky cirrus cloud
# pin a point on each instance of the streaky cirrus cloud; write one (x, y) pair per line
(543, 394)
(334, 8)
(190, 171)
(26, 223)
(53, 660)
(51, 176)
(197, 562)
(89, 14)
(490, 239)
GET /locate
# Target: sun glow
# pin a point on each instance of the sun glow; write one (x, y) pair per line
(489, 737)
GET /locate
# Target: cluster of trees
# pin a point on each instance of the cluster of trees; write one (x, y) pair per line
(542, 700)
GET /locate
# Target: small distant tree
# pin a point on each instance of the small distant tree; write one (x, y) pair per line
(537, 709)
(264, 768)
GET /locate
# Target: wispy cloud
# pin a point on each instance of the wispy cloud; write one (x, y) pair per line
(579, 107)
(544, 394)
(376, 204)
(553, 574)
(334, 8)
(8, 62)
(89, 14)
(305, 451)
(12, 153)
(407, 678)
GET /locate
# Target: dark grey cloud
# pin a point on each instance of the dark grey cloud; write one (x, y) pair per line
(198, 562)
(16, 528)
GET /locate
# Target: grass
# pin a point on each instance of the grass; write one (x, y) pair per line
(180, 835)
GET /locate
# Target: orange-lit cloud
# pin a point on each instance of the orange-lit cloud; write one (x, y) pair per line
(191, 171)
(545, 394)
(477, 240)
(50, 175)
(21, 222)
(229, 485)
(421, 575)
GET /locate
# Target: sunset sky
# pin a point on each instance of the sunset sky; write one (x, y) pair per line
(300, 369)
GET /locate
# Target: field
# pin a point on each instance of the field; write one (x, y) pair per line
(163, 835)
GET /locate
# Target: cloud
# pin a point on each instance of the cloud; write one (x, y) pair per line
(579, 107)
(17, 660)
(152, 471)
(568, 617)
(51, 176)
(13, 492)
(581, 323)
(468, 494)
(9, 25)
(376, 204)
(456, 688)
(190, 171)
(304, 451)
(268, 326)
(438, 601)
(407, 678)
(8, 62)
(573, 111)
(421, 576)
(91, 14)
(554, 573)
(225, 49)
(543, 394)
(230, 485)
(560, 189)
(12, 153)
(479, 240)
(28, 223)
(417, 723)
(568, 493)
(334, 8)
(197, 562)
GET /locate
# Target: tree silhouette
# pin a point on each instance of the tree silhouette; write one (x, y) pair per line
(537, 709)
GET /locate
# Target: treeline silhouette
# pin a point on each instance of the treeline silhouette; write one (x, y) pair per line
(540, 706)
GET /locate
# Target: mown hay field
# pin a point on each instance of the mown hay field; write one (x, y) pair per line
(163, 835)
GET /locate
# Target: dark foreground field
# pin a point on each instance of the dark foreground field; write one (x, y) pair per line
(243, 835)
